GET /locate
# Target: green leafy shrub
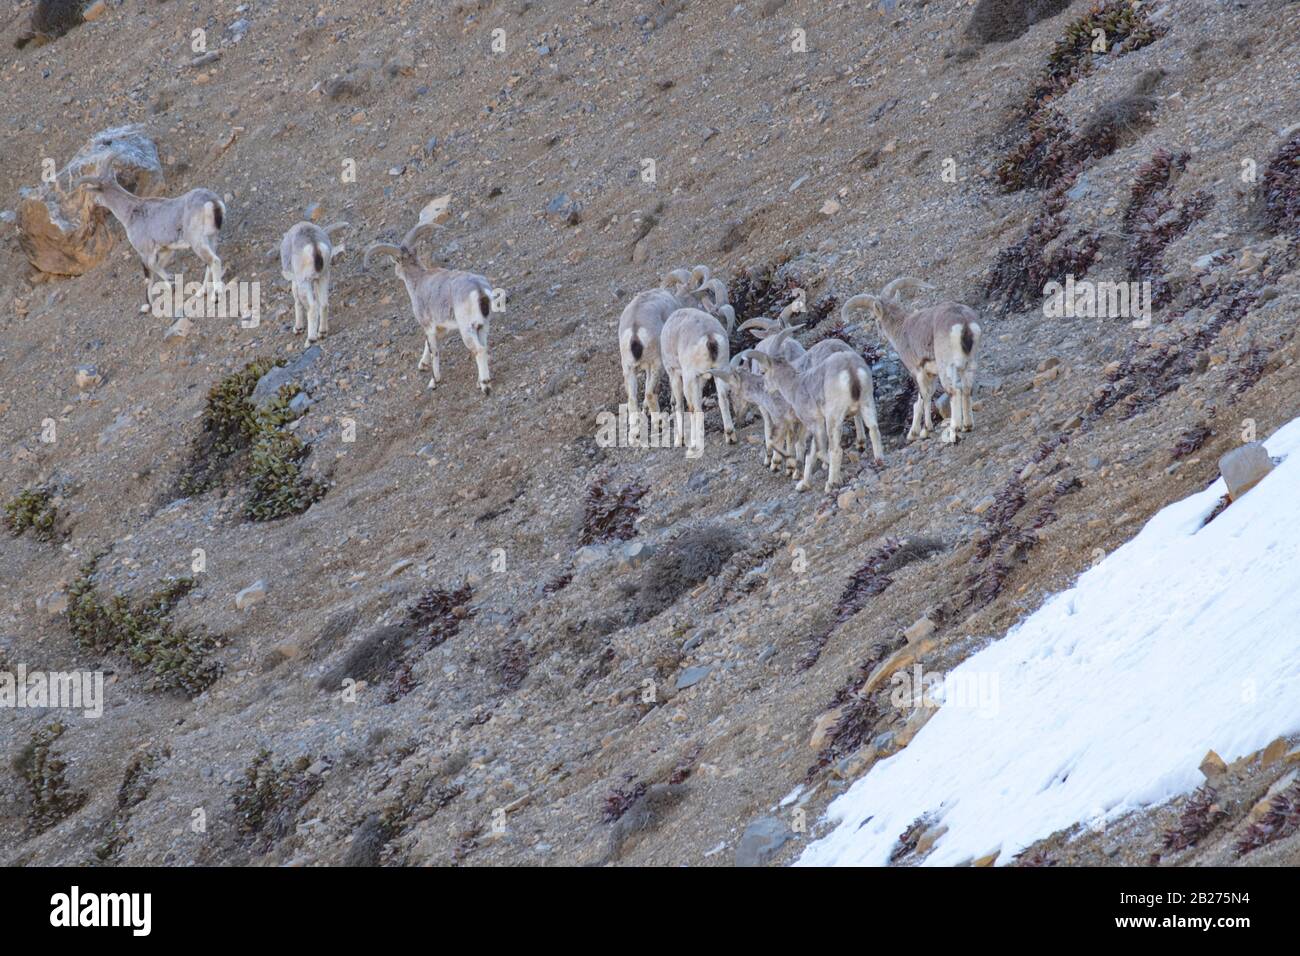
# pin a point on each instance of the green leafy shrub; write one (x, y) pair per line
(175, 659)
(1124, 29)
(270, 797)
(45, 774)
(33, 509)
(241, 439)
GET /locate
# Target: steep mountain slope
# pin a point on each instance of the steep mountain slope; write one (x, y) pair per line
(529, 693)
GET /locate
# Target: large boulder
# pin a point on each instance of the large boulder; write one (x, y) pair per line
(61, 231)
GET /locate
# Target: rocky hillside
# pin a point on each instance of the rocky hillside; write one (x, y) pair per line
(356, 621)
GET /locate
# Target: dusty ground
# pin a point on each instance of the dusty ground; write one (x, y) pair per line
(554, 704)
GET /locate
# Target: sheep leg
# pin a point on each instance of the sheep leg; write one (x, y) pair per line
(153, 270)
(927, 404)
(835, 451)
(484, 374)
(694, 389)
(435, 362)
(958, 414)
(873, 427)
(323, 300)
(858, 428)
(809, 461)
(914, 432)
(769, 448)
(313, 315)
(629, 383)
(675, 383)
(651, 389)
(424, 359)
(297, 309)
(949, 436)
(213, 272)
(724, 407)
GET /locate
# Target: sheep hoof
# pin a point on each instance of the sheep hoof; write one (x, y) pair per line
(433, 383)
(485, 387)
(950, 437)
(731, 438)
(801, 486)
(144, 309)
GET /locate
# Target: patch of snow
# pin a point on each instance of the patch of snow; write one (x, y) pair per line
(1183, 640)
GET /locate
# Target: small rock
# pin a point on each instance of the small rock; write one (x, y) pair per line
(830, 207)
(88, 377)
(1213, 767)
(54, 603)
(823, 726)
(94, 11)
(692, 676)
(884, 744)
(567, 209)
(929, 838)
(1244, 467)
(255, 593)
(589, 554)
(761, 841)
(696, 639)
(179, 329)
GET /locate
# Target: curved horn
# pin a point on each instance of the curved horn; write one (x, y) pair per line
(700, 275)
(757, 356)
(864, 301)
(418, 233)
(383, 249)
(677, 277)
(778, 340)
(760, 324)
(904, 285)
(334, 226)
(789, 310)
(728, 313)
(719, 291)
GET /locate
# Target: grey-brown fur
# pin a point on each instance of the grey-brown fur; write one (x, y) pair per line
(938, 342)
(442, 300)
(157, 227)
(306, 252)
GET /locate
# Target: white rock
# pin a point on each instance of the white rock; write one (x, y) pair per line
(255, 593)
